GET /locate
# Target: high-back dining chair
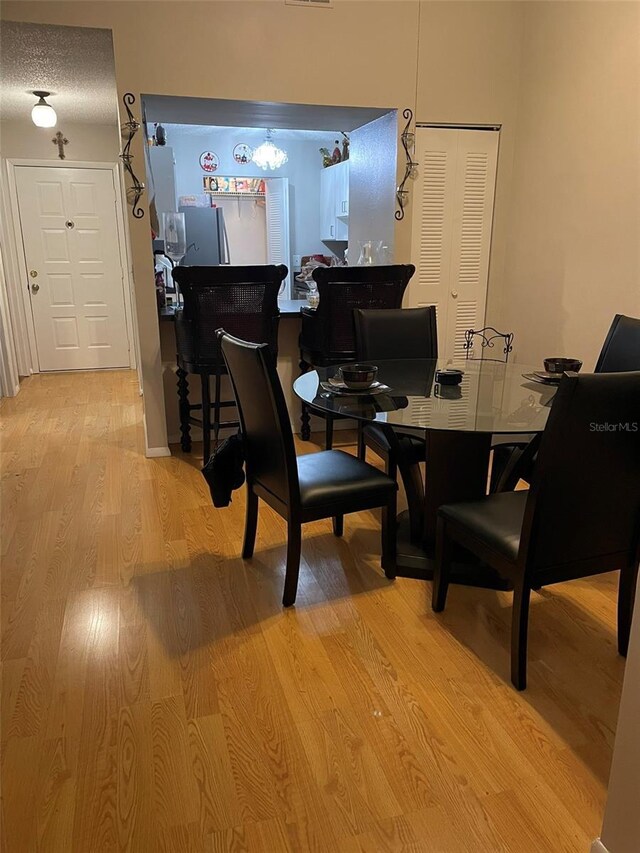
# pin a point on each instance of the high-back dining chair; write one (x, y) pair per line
(581, 515)
(487, 339)
(621, 349)
(620, 353)
(327, 484)
(397, 333)
(327, 336)
(241, 299)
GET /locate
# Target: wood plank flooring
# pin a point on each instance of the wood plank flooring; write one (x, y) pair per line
(156, 697)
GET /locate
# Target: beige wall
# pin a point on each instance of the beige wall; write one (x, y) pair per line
(621, 828)
(88, 142)
(356, 54)
(573, 254)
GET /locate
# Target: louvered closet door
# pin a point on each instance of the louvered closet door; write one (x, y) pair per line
(452, 222)
(278, 241)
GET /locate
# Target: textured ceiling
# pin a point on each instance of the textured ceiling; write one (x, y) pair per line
(75, 64)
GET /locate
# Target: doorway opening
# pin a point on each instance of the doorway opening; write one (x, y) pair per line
(314, 208)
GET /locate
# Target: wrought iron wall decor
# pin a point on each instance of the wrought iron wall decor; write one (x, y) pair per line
(129, 129)
(408, 140)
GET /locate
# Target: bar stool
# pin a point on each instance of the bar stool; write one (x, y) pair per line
(328, 333)
(241, 300)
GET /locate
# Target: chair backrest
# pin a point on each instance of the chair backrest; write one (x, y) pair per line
(241, 300)
(584, 503)
(621, 349)
(493, 345)
(396, 333)
(343, 289)
(270, 457)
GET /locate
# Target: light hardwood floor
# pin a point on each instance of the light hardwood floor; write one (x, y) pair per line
(156, 697)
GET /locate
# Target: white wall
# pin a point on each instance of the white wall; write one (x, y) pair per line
(302, 168)
(621, 828)
(372, 185)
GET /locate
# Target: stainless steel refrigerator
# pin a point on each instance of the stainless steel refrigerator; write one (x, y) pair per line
(207, 242)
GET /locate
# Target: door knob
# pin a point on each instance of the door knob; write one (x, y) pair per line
(35, 287)
(454, 293)
(69, 223)
(33, 273)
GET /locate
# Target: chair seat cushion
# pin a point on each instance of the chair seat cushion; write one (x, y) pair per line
(496, 520)
(413, 447)
(333, 478)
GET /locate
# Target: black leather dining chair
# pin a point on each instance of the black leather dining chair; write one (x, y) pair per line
(621, 349)
(242, 299)
(620, 353)
(398, 334)
(327, 484)
(580, 517)
(327, 336)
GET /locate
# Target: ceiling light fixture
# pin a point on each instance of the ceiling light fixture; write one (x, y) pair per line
(43, 114)
(268, 155)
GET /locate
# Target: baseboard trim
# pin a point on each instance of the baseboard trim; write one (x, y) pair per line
(155, 452)
(598, 847)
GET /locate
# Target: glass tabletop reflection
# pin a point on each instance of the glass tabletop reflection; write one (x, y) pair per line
(493, 397)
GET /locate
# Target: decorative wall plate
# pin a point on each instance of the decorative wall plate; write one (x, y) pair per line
(209, 161)
(242, 153)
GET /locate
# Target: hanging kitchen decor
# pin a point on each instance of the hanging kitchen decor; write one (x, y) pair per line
(242, 153)
(209, 161)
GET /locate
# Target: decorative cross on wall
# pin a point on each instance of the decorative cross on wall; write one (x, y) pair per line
(60, 141)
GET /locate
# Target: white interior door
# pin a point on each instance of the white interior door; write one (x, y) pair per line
(278, 239)
(71, 246)
(451, 232)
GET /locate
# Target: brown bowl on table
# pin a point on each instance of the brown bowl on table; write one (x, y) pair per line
(358, 377)
(558, 366)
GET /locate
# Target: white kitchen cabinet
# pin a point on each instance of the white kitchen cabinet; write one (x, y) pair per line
(341, 178)
(334, 185)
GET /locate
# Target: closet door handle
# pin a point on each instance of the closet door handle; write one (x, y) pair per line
(454, 293)
(332, 230)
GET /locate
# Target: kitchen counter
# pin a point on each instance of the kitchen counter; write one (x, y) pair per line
(288, 308)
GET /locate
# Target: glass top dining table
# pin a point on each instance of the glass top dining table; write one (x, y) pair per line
(492, 398)
(459, 426)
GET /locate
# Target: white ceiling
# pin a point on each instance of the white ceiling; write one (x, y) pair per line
(75, 64)
(225, 113)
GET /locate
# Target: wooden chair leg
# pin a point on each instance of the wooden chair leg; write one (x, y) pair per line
(183, 408)
(294, 548)
(442, 567)
(206, 417)
(626, 598)
(338, 525)
(519, 632)
(305, 423)
(389, 537)
(250, 524)
(328, 444)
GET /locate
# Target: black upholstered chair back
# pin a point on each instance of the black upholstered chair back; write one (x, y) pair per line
(584, 502)
(241, 300)
(343, 289)
(264, 420)
(396, 333)
(621, 349)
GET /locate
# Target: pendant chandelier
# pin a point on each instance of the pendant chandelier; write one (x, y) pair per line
(268, 155)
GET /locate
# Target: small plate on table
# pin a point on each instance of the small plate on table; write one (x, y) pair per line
(337, 386)
(543, 377)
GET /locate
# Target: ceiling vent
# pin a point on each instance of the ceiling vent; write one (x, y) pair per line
(316, 4)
